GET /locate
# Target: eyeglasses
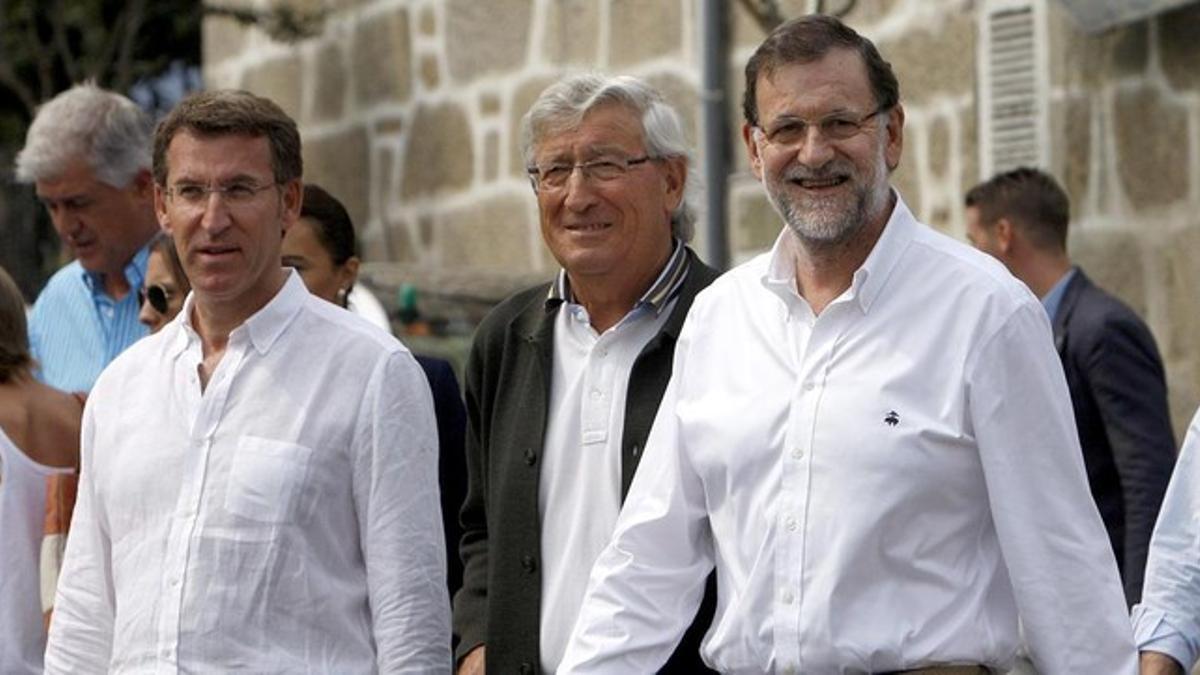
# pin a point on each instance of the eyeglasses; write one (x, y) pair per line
(194, 196)
(792, 132)
(553, 177)
(157, 295)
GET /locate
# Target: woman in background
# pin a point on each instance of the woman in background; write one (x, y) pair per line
(39, 443)
(320, 246)
(165, 287)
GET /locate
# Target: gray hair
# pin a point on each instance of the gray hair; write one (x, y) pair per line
(105, 129)
(563, 105)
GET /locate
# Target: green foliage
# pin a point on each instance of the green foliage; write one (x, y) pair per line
(48, 45)
(45, 47)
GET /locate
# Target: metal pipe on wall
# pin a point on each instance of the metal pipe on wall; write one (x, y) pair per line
(714, 117)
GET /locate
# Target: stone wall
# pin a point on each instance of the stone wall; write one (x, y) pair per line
(1125, 141)
(409, 109)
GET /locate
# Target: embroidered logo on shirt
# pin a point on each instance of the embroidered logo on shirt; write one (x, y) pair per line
(891, 419)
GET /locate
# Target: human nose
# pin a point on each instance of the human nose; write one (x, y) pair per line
(63, 219)
(215, 215)
(815, 150)
(578, 191)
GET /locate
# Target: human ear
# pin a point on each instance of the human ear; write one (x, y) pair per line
(752, 150)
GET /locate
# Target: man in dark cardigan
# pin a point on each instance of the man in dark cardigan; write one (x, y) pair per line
(565, 378)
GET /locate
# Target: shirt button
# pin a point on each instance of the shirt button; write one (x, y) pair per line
(789, 670)
(788, 597)
(596, 394)
(808, 386)
(791, 523)
(798, 453)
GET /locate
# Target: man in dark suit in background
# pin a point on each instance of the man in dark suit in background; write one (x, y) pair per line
(1112, 366)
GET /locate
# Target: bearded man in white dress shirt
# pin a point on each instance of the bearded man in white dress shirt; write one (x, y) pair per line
(867, 433)
(259, 482)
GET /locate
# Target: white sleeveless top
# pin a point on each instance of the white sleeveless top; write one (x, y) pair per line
(22, 515)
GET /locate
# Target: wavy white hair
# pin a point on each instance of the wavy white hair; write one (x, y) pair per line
(107, 130)
(563, 105)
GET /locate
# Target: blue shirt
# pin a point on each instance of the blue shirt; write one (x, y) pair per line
(1054, 297)
(1168, 618)
(76, 328)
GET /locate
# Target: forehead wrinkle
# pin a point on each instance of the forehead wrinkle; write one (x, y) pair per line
(810, 107)
(593, 151)
(839, 76)
(219, 158)
(75, 195)
(64, 189)
(835, 111)
(605, 129)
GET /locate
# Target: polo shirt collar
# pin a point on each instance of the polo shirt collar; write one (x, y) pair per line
(656, 298)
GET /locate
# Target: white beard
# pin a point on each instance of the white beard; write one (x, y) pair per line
(830, 221)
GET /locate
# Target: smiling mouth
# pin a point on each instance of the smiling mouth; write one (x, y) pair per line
(820, 183)
(588, 227)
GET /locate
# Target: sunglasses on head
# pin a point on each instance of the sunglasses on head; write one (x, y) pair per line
(156, 295)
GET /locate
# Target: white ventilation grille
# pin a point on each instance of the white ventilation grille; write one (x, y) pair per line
(1012, 78)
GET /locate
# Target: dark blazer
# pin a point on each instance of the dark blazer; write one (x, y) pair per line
(452, 460)
(508, 383)
(1119, 394)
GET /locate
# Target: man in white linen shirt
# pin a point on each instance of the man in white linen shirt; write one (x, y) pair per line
(867, 432)
(259, 486)
(1167, 622)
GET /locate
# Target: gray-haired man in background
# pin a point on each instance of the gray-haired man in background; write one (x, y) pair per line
(88, 155)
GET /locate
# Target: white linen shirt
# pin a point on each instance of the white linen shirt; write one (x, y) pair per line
(1168, 618)
(889, 485)
(285, 519)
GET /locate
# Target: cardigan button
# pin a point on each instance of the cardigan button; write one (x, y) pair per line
(529, 564)
(526, 668)
(530, 457)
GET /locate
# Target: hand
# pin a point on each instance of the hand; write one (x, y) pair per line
(473, 663)
(1150, 663)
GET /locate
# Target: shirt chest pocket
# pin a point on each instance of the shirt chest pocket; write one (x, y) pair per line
(267, 480)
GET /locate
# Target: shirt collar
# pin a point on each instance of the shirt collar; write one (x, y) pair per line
(134, 271)
(1053, 298)
(664, 288)
(868, 280)
(263, 327)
